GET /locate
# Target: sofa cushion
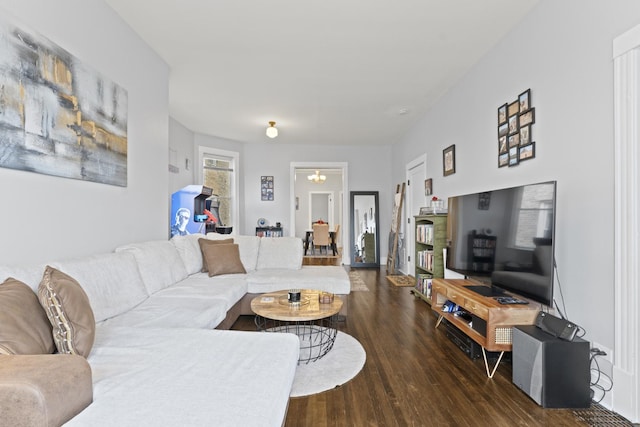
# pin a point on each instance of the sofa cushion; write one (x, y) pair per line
(112, 282)
(229, 288)
(165, 311)
(189, 251)
(332, 279)
(280, 252)
(159, 263)
(68, 309)
(222, 259)
(43, 390)
(29, 275)
(195, 377)
(248, 246)
(24, 326)
(205, 243)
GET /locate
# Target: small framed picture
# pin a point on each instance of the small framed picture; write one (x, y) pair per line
(524, 100)
(503, 129)
(428, 188)
(513, 156)
(527, 152)
(513, 124)
(514, 140)
(266, 188)
(449, 160)
(525, 135)
(502, 114)
(528, 118)
(503, 160)
(502, 144)
(513, 109)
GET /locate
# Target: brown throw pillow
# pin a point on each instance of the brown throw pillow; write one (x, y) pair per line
(24, 327)
(209, 242)
(68, 309)
(223, 259)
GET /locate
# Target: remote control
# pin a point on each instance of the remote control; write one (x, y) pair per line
(510, 300)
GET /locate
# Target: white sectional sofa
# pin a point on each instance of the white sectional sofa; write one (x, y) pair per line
(156, 359)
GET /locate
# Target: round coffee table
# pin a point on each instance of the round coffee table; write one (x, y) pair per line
(313, 322)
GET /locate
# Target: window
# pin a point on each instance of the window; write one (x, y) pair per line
(219, 172)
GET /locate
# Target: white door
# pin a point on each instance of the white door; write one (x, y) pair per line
(415, 199)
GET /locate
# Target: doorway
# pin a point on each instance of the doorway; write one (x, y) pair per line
(416, 173)
(301, 189)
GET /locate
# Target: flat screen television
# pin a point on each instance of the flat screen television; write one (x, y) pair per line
(505, 238)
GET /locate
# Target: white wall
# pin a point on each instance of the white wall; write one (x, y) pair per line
(181, 141)
(369, 170)
(562, 50)
(45, 217)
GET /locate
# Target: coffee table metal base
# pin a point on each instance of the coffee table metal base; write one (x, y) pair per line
(316, 336)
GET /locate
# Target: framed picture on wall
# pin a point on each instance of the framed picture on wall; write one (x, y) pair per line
(428, 189)
(266, 188)
(502, 114)
(525, 135)
(528, 117)
(449, 160)
(524, 100)
(527, 152)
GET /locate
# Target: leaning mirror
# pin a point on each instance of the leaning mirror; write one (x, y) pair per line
(365, 242)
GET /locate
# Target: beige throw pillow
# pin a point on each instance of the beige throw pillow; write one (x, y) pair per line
(223, 259)
(68, 309)
(24, 327)
(206, 243)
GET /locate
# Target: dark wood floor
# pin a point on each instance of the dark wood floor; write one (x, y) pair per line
(414, 375)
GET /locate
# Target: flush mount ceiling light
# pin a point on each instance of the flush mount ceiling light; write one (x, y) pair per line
(317, 178)
(272, 131)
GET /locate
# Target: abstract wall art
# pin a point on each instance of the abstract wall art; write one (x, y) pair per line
(57, 115)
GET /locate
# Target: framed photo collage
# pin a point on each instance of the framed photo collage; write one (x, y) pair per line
(515, 120)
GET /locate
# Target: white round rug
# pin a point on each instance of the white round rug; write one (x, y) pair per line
(339, 365)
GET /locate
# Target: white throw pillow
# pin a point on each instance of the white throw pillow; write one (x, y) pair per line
(159, 263)
(189, 250)
(280, 252)
(111, 281)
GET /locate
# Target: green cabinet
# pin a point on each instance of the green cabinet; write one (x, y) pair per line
(431, 239)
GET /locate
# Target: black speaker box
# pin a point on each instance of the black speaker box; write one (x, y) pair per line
(553, 372)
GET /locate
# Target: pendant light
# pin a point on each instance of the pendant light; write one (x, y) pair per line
(272, 130)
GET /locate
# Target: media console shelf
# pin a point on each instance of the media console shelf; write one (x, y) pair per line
(492, 322)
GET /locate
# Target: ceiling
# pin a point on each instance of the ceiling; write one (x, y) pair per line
(356, 72)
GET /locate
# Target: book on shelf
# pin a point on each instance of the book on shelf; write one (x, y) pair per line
(424, 233)
(425, 259)
(423, 284)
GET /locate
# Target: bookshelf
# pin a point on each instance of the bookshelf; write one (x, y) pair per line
(269, 231)
(431, 239)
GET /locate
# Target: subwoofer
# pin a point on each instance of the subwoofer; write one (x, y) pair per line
(553, 372)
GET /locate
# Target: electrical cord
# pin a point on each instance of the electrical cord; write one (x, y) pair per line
(564, 309)
(595, 352)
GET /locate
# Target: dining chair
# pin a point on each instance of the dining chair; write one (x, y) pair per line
(321, 237)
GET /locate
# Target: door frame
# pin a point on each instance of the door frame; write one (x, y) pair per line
(344, 228)
(410, 209)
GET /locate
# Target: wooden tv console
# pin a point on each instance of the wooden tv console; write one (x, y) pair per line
(494, 321)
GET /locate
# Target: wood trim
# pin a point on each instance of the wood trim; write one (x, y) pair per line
(626, 370)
